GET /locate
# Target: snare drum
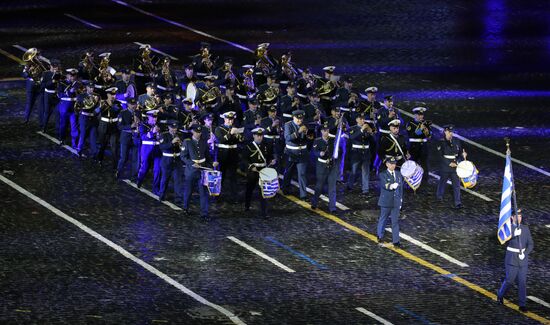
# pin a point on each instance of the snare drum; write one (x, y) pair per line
(467, 172)
(412, 174)
(269, 182)
(212, 179)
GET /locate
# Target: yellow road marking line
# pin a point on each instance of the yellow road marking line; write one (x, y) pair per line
(13, 57)
(416, 259)
(23, 310)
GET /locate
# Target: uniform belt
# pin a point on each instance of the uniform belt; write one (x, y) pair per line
(242, 96)
(369, 121)
(301, 95)
(161, 87)
(295, 147)
(201, 74)
(49, 91)
(127, 131)
(287, 115)
(99, 86)
(68, 99)
(418, 140)
(324, 161)
(109, 120)
(163, 121)
(122, 101)
(330, 135)
(327, 97)
(139, 74)
(227, 146)
(267, 136)
(199, 161)
(151, 143)
(360, 146)
(258, 164)
(167, 154)
(87, 114)
(345, 109)
(449, 156)
(384, 131)
(512, 249)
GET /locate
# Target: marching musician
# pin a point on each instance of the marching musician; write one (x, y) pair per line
(88, 105)
(126, 88)
(128, 124)
(370, 107)
(386, 114)
(107, 131)
(343, 95)
(167, 111)
(272, 131)
(327, 167)
(390, 201)
(394, 144)
(419, 131)
(150, 153)
(451, 153)
(104, 79)
(225, 75)
(208, 133)
(32, 73)
(231, 103)
(288, 102)
(87, 69)
(202, 63)
(229, 137)
(67, 93)
(145, 66)
(296, 151)
(150, 91)
(517, 260)
(166, 78)
(360, 137)
(187, 82)
(251, 116)
(50, 82)
(195, 154)
(171, 164)
(257, 155)
(328, 95)
(333, 121)
(189, 116)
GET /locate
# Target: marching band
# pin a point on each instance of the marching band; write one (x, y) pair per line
(199, 126)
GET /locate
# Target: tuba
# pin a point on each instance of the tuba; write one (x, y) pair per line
(105, 71)
(287, 68)
(147, 65)
(269, 95)
(34, 66)
(87, 63)
(210, 96)
(326, 88)
(166, 73)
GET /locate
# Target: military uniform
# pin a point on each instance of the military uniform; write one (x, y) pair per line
(129, 139)
(125, 89)
(449, 152)
(195, 152)
(150, 153)
(88, 106)
(228, 155)
(419, 142)
(67, 94)
(171, 164)
(107, 131)
(390, 201)
(33, 88)
(272, 134)
(393, 146)
(360, 156)
(516, 262)
(50, 80)
(297, 153)
(326, 170)
(258, 156)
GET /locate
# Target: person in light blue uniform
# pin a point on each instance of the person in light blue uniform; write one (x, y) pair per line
(296, 150)
(195, 154)
(390, 201)
(516, 261)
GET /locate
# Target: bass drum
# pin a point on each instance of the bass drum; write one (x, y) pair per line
(468, 173)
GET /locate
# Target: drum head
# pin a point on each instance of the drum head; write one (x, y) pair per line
(408, 167)
(465, 168)
(191, 91)
(268, 174)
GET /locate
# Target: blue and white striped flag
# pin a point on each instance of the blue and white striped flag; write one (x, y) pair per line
(504, 232)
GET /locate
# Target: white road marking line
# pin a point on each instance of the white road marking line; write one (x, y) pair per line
(373, 315)
(158, 51)
(322, 196)
(481, 196)
(19, 47)
(473, 143)
(262, 255)
(244, 48)
(83, 21)
(54, 140)
(156, 197)
(123, 252)
(539, 301)
(430, 249)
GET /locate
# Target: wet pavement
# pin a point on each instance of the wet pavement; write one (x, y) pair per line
(477, 66)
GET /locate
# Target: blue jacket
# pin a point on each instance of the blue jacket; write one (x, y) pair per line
(525, 241)
(390, 198)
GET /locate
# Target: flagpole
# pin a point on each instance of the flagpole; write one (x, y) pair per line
(514, 199)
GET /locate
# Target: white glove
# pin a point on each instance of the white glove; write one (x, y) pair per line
(521, 256)
(517, 232)
(393, 186)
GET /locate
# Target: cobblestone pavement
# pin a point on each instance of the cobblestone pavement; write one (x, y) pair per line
(52, 272)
